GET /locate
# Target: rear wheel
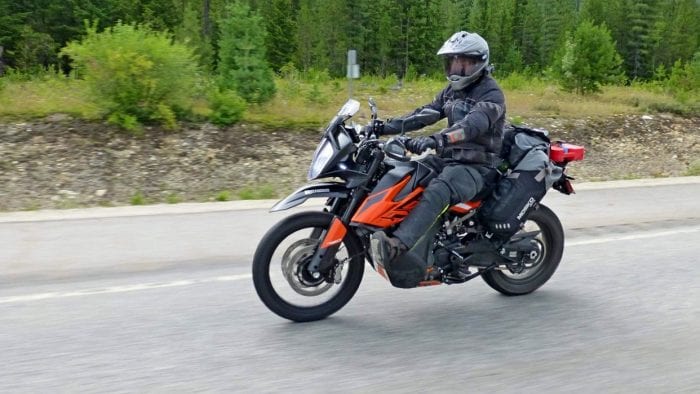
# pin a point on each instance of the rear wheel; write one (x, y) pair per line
(551, 246)
(280, 273)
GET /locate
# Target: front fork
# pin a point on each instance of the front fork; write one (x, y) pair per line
(323, 258)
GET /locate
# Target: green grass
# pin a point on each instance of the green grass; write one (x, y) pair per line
(46, 96)
(172, 198)
(693, 168)
(262, 192)
(32, 206)
(138, 199)
(223, 196)
(301, 105)
(525, 98)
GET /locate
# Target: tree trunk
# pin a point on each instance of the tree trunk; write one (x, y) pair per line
(206, 30)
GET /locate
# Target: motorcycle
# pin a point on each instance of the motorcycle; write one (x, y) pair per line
(310, 264)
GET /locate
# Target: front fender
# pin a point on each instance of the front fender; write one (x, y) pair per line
(313, 190)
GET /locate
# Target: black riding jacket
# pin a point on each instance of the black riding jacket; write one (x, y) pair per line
(475, 118)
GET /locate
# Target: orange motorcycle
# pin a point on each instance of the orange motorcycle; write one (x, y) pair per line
(310, 264)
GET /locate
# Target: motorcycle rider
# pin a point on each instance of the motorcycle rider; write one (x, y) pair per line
(469, 147)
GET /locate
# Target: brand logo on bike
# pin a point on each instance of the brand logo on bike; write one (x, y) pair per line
(527, 206)
(314, 191)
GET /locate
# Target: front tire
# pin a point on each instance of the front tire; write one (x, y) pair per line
(552, 238)
(273, 245)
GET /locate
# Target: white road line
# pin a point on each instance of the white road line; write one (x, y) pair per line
(120, 289)
(600, 240)
(229, 278)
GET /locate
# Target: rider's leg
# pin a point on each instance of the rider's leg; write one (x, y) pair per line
(456, 183)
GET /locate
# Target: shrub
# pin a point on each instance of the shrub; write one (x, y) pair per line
(223, 196)
(411, 73)
(514, 81)
(138, 199)
(137, 74)
(257, 193)
(684, 82)
(172, 198)
(315, 95)
(127, 122)
(694, 168)
(227, 107)
(34, 51)
(317, 75)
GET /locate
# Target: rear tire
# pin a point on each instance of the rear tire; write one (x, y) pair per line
(552, 237)
(264, 255)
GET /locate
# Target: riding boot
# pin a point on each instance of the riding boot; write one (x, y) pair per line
(392, 247)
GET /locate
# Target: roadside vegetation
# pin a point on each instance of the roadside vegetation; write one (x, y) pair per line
(164, 66)
(306, 103)
(281, 63)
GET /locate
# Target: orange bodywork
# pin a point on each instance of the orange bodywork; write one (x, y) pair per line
(465, 207)
(335, 234)
(380, 209)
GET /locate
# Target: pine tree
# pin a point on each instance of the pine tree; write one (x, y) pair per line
(421, 38)
(589, 59)
(455, 14)
(478, 16)
(322, 35)
(191, 32)
(682, 38)
(332, 42)
(391, 42)
(531, 37)
(280, 23)
(242, 65)
(306, 36)
(559, 18)
(499, 35)
(638, 39)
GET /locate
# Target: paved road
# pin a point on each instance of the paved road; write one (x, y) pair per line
(622, 314)
(43, 245)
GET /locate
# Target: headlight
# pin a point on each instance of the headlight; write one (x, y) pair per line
(323, 154)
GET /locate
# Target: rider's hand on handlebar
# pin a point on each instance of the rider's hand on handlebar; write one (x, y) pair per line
(376, 127)
(421, 144)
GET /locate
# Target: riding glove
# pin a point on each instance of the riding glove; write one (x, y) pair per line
(421, 144)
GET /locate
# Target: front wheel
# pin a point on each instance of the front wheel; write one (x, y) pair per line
(284, 284)
(551, 241)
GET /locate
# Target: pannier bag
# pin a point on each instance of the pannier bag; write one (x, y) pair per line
(529, 173)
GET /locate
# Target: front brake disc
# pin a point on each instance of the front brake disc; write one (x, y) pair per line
(294, 262)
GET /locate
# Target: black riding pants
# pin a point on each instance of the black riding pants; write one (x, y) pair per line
(456, 183)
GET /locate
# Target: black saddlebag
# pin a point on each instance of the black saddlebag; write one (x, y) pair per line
(529, 175)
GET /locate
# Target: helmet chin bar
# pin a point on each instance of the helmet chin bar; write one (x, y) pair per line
(462, 82)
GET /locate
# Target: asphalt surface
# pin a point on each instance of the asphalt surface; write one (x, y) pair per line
(622, 313)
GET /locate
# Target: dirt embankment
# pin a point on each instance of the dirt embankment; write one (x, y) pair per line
(59, 162)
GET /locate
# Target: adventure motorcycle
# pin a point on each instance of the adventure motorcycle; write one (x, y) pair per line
(310, 264)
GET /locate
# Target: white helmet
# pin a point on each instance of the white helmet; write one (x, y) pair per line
(466, 58)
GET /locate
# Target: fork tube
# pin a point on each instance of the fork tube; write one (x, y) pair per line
(323, 258)
(362, 191)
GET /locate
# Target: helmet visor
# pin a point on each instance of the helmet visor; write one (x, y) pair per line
(461, 65)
